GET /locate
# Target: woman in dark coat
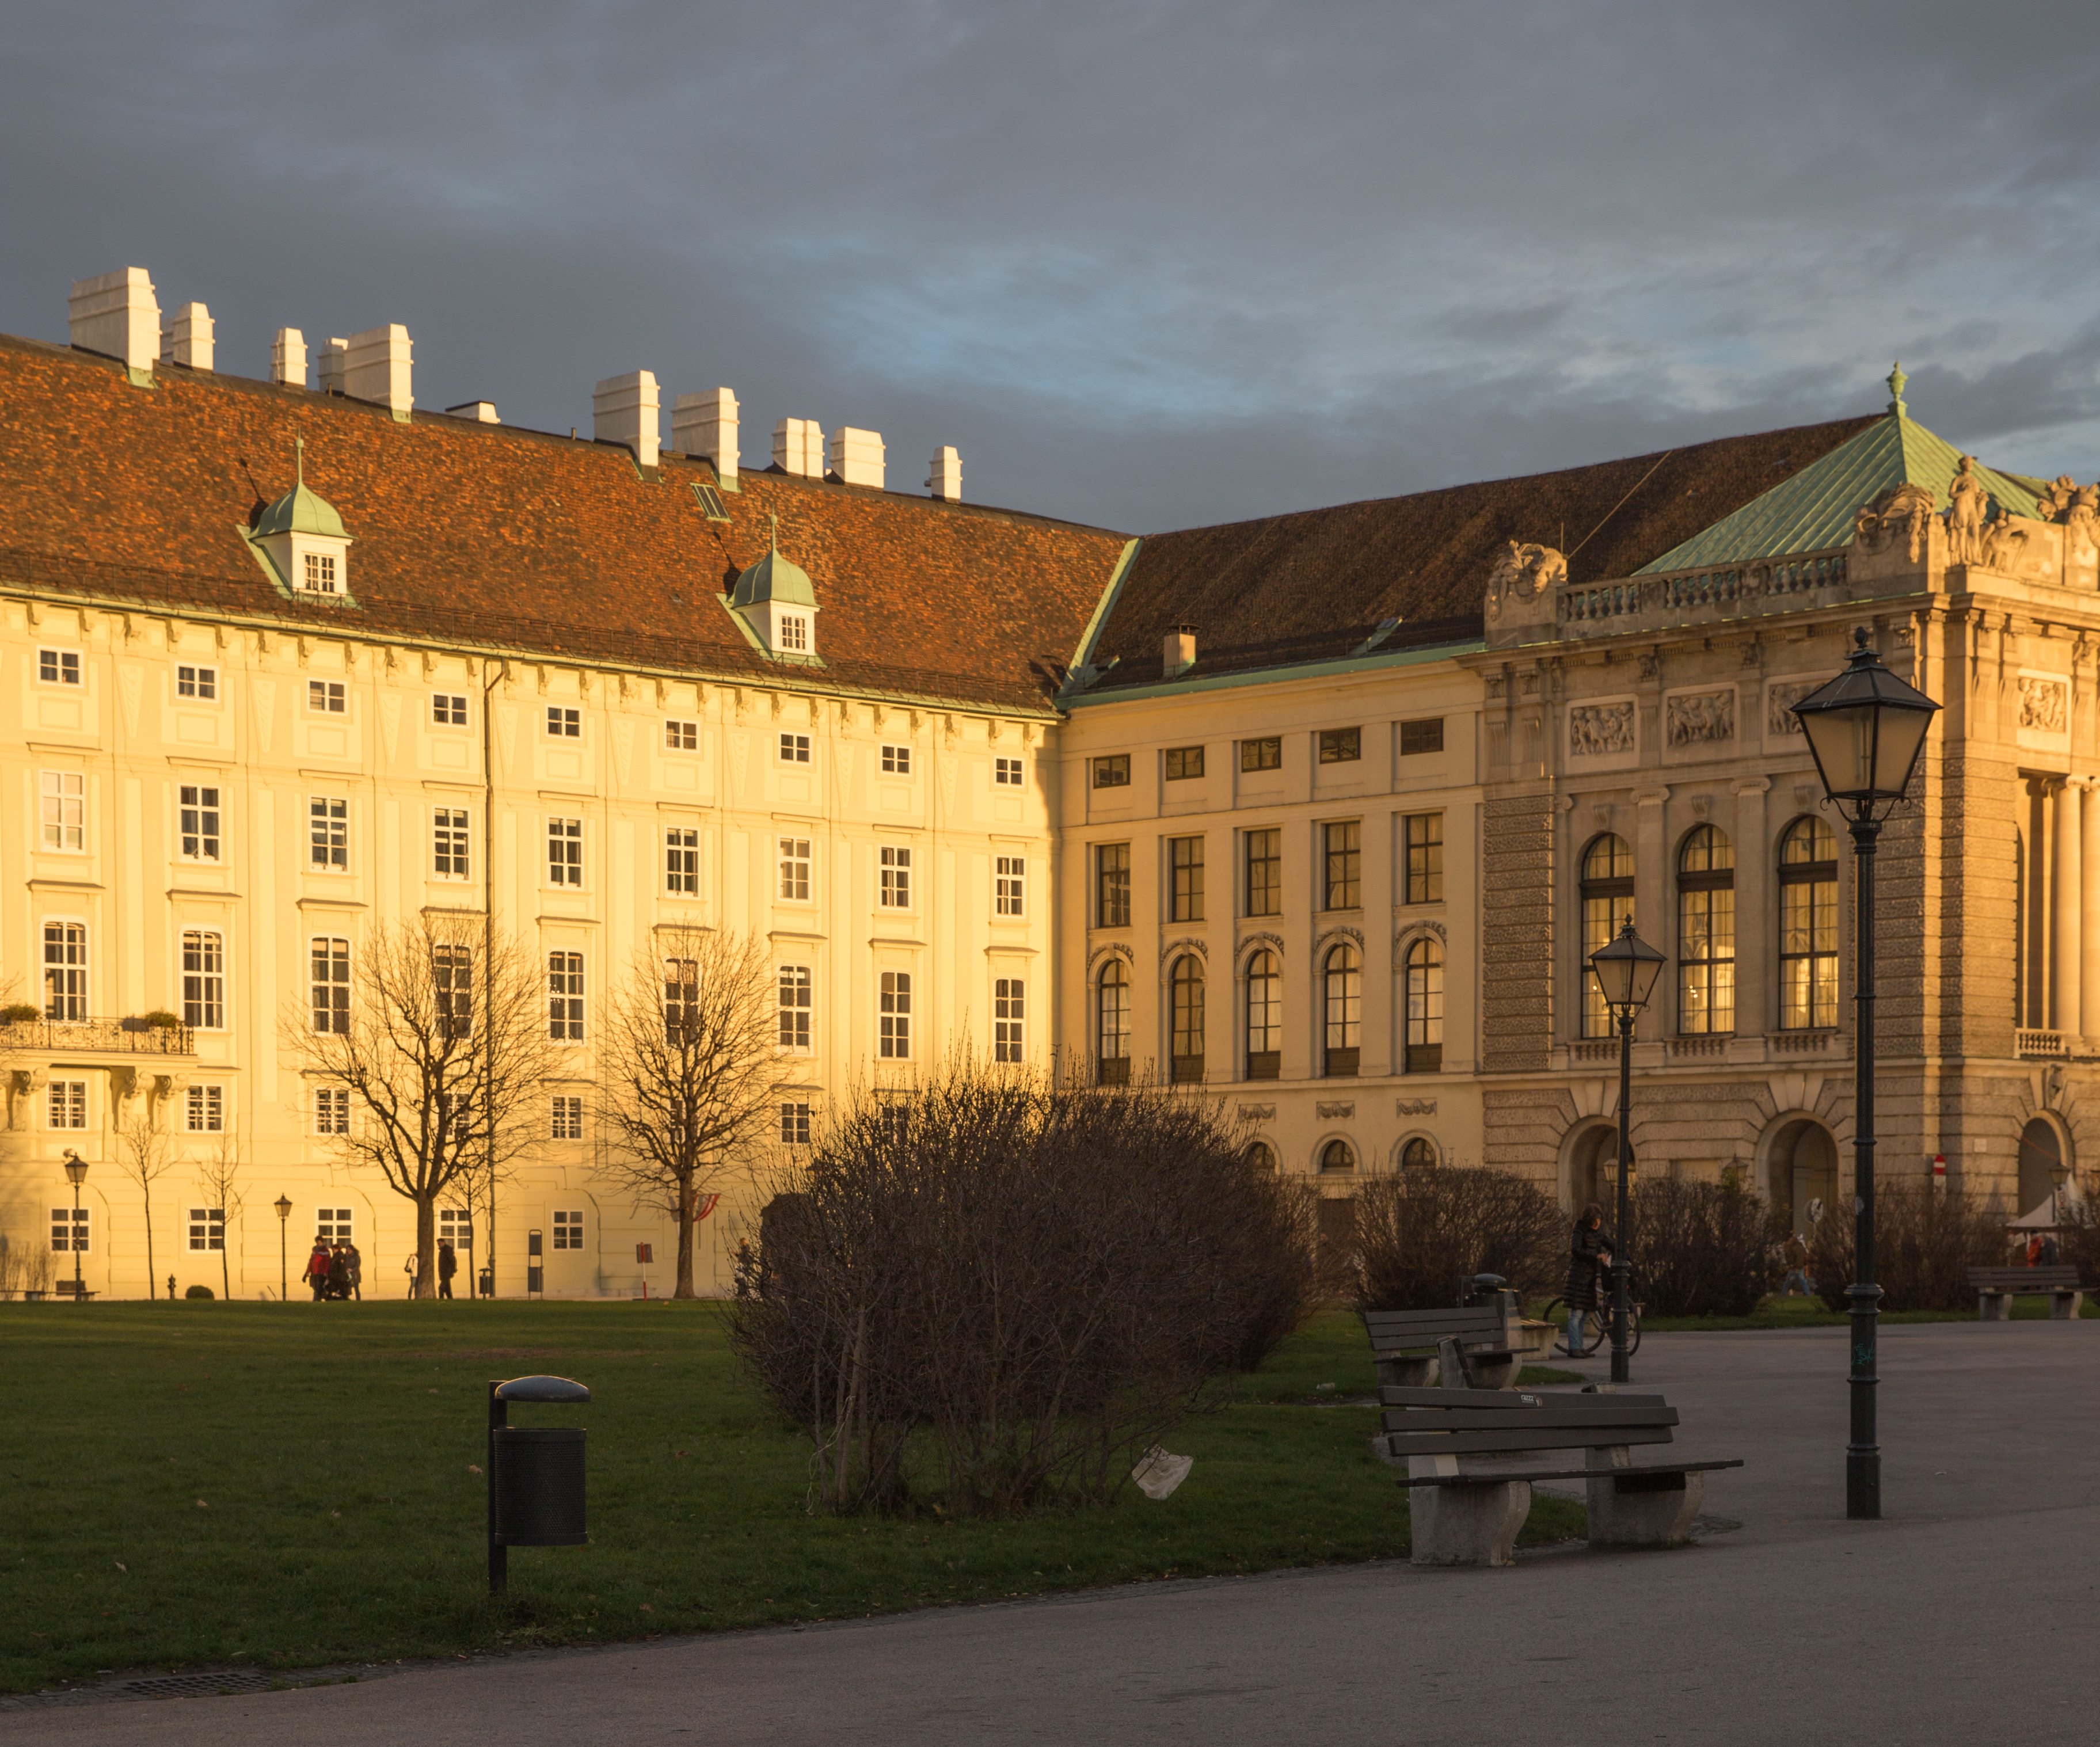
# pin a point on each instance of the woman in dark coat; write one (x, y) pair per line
(1588, 1253)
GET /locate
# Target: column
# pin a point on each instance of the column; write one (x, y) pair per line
(2089, 957)
(2068, 888)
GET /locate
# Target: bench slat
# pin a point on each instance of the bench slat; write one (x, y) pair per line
(1569, 1474)
(2025, 1279)
(1475, 1443)
(1414, 1420)
(1395, 1395)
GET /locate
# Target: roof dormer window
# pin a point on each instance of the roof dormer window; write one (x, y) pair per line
(794, 634)
(777, 606)
(320, 572)
(301, 541)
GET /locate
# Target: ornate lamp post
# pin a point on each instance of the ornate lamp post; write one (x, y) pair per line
(284, 1205)
(1626, 969)
(1865, 730)
(76, 1171)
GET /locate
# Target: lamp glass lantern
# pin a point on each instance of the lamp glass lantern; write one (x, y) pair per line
(75, 1168)
(1865, 729)
(284, 1205)
(1627, 968)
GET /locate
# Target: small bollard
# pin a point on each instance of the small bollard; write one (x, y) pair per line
(535, 1474)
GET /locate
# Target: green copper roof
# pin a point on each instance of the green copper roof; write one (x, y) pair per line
(774, 578)
(1813, 510)
(300, 511)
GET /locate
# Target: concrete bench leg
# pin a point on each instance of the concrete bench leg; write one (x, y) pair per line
(1630, 1509)
(1496, 1373)
(1412, 1371)
(1994, 1307)
(1468, 1525)
(2065, 1306)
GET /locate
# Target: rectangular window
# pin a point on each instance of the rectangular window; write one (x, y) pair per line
(1009, 1013)
(794, 748)
(329, 956)
(794, 634)
(1112, 885)
(58, 667)
(204, 1109)
(564, 724)
(328, 832)
(331, 1110)
(794, 1125)
(798, 1007)
(1426, 735)
(319, 577)
(334, 1224)
(66, 1104)
(449, 709)
(1425, 857)
(1183, 762)
(682, 1001)
(326, 697)
(565, 852)
(455, 1227)
(681, 736)
(896, 892)
(1113, 772)
(204, 979)
(65, 972)
(451, 987)
(565, 997)
(197, 682)
(1341, 746)
(64, 810)
(568, 1228)
(1185, 857)
(795, 870)
(565, 1119)
(682, 861)
(70, 1227)
(1264, 873)
(207, 1227)
(1010, 886)
(896, 761)
(1005, 772)
(1344, 844)
(1262, 755)
(893, 1042)
(198, 809)
(448, 843)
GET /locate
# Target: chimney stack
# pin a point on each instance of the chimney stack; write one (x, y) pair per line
(481, 412)
(288, 358)
(626, 409)
(375, 367)
(116, 315)
(706, 424)
(331, 359)
(856, 456)
(187, 338)
(798, 448)
(945, 480)
(1180, 653)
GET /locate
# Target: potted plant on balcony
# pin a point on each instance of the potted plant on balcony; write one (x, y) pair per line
(19, 1013)
(159, 1020)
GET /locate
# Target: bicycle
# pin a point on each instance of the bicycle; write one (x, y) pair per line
(1597, 1324)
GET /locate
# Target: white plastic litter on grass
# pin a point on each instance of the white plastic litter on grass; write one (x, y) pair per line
(1159, 1473)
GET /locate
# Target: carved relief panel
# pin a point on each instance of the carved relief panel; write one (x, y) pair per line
(1604, 733)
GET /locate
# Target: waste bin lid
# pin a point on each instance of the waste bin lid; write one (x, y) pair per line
(541, 1389)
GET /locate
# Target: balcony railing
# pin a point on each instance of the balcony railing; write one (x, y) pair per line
(2044, 1044)
(106, 1037)
(1728, 592)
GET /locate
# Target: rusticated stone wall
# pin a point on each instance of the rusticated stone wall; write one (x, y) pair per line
(1516, 932)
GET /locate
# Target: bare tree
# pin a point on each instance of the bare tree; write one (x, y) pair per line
(691, 1065)
(217, 1175)
(144, 1157)
(442, 1046)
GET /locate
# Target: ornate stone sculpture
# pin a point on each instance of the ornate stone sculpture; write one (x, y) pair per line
(1522, 574)
(1596, 730)
(1902, 512)
(1966, 500)
(2002, 546)
(2041, 704)
(1780, 701)
(1704, 718)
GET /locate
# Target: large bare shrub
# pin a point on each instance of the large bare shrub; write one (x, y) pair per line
(2077, 1240)
(1926, 1242)
(1700, 1249)
(1423, 1234)
(1021, 1285)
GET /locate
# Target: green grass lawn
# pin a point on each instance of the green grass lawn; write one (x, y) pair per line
(210, 1485)
(1799, 1313)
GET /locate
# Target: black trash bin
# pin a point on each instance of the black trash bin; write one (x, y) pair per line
(535, 1474)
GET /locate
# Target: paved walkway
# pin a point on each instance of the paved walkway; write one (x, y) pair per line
(1966, 1616)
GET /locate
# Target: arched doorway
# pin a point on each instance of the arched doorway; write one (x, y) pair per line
(1801, 1168)
(1593, 1169)
(2041, 1163)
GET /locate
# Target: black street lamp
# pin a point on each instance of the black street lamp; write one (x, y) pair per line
(1865, 730)
(1626, 969)
(76, 1171)
(284, 1205)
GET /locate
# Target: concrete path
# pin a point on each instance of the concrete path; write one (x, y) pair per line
(1966, 1616)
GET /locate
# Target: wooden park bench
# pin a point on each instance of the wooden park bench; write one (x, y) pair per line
(1405, 1346)
(64, 1289)
(1472, 1455)
(1996, 1288)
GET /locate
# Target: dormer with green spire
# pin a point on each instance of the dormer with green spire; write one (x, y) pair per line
(776, 604)
(303, 539)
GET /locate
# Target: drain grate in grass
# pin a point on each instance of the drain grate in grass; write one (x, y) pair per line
(196, 1686)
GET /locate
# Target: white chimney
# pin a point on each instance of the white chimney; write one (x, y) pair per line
(187, 338)
(625, 409)
(1180, 653)
(332, 352)
(118, 315)
(945, 476)
(798, 448)
(481, 412)
(375, 367)
(287, 358)
(856, 456)
(706, 424)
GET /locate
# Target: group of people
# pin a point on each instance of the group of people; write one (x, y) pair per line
(335, 1269)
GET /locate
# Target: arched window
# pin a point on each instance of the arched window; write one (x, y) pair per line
(1807, 926)
(1261, 1154)
(1112, 1016)
(1186, 983)
(1342, 981)
(2041, 1163)
(1607, 900)
(1337, 1156)
(1425, 1007)
(1706, 932)
(1264, 1017)
(1419, 1155)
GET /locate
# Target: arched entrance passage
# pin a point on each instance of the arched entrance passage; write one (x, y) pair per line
(1593, 1169)
(1801, 1166)
(2041, 1163)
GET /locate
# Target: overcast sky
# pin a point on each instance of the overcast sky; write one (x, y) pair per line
(1146, 265)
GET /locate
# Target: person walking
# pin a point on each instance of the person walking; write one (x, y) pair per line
(317, 1268)
(338, 1272)
(354, 1271)
(1587, 1252)
(1794, 1253)
(447, 1266)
